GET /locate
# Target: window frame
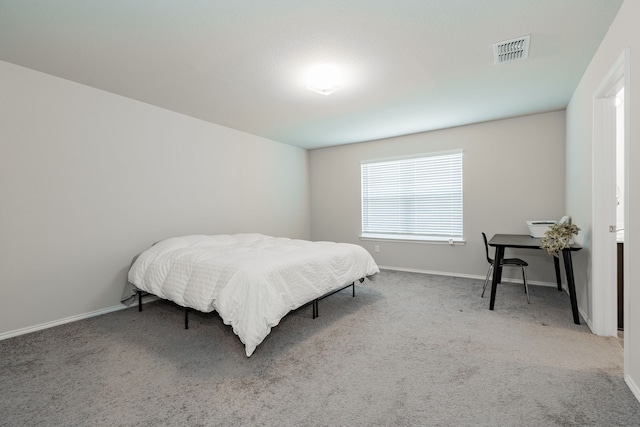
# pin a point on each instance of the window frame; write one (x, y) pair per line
(456, 237)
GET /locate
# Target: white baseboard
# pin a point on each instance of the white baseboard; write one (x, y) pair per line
(633, 386)
(466, 276)
(586, 318)
(69, 319)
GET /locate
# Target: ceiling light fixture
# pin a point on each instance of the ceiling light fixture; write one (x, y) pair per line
(323, 79)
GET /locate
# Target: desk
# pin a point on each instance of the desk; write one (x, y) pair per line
(502, 241)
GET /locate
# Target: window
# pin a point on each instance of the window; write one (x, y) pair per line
(416, 198)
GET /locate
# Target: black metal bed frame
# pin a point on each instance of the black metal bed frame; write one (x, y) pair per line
(313, 302)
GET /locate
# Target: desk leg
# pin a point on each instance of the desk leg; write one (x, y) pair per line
(556, 263)
(568, 266)
(496, 274)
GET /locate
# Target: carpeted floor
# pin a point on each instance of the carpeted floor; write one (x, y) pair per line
(408, 350)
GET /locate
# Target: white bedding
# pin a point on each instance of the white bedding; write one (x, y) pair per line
(251, 280)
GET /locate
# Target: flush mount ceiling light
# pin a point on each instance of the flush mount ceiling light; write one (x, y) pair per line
(511, 50)
(323, 78)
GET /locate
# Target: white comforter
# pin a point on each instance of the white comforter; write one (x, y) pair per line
(251, 280)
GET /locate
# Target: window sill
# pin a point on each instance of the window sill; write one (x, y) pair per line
(413, 239)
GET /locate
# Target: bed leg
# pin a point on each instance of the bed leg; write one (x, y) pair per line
(315, 308)
(186, 318)
(353, 289)
(139, 300)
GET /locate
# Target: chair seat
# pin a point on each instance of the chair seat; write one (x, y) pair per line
(514, 261)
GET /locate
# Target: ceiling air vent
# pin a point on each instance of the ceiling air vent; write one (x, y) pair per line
(511, 50)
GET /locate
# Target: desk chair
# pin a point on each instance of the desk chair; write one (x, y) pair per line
(507, 262)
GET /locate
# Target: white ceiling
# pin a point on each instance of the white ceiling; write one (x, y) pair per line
(411, 65)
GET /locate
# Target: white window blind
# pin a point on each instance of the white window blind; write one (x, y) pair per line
(417, 198)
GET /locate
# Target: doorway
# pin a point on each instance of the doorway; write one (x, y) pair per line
(620, 204)
(610, 147)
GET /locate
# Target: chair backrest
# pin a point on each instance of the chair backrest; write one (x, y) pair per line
(486, 248)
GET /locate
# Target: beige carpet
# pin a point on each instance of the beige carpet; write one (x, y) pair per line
(409, 349)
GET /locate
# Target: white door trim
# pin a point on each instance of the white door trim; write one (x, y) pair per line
(603, 242)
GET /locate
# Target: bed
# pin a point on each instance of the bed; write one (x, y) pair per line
(251, 280)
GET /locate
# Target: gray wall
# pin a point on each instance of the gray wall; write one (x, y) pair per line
(623, 33)
(513, 171)
(88, 179)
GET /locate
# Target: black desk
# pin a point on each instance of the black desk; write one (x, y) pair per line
(502, 241)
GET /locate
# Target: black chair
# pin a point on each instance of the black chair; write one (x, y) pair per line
(506, 262)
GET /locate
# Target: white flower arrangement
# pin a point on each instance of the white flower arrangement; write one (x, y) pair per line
(558, 237)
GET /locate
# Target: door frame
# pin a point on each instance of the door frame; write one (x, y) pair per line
(603, 241)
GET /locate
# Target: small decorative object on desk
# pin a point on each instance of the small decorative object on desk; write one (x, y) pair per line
(558, 237)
